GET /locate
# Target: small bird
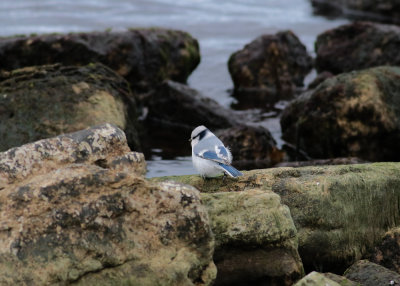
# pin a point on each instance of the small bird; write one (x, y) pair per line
(209, 155)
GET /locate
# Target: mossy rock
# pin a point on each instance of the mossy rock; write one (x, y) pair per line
(144, 57)
(339, 211)
(45, 101)
(353, 114)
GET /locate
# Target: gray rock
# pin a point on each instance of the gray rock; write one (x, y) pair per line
(76, 210)
(357, 46)
(370, 274)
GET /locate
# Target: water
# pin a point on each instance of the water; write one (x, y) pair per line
(222, 27)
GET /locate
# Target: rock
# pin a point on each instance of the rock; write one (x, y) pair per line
(343, 281)
(45, 101)
(174, 104)
(144, 57)
(370, 45)
(339, 211)
(173, 110)
(387, 251)
(252, 147)
(334, 161)
(371, 274)
(316, 279)
(255, 238)
(77, 210)
(269, 68)
(319, 79)
(386, 11)
(354, 114)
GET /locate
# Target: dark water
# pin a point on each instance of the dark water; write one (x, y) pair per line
(221, 27)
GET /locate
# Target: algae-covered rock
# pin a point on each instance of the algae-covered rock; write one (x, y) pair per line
(76, 210)
(316, 279)
(353, 114)
(255, 238)
(144, 57)
(370, 274)
(41, 102)
(269, 68)
(357, 46)
(339, 211)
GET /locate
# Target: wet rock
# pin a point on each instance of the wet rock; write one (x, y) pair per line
(354, 114)
(45, 101)
(173, 110)
(387, 252)
(357, 46)
(252, 147)
(77, 210)
(144, 57)
(370, 274)
(316, 279)
(255, 238)
(269, 68)
(339, 211)
(175, 104)
(386, 11)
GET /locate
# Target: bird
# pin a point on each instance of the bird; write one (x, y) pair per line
(209, 155)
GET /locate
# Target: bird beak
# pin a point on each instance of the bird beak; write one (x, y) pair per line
(190, 139)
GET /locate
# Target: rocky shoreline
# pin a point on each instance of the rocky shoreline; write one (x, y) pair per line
(80, 112)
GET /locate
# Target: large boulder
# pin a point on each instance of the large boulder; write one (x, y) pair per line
(370, 274)
(255, 237)
(45, 101)
(269, 68)
(252, 147)
(353, 114)
(357, 46)
(76, 210)
(144, 57)
(387, 11)
(340, 212)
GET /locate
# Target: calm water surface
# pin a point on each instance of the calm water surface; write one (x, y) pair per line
(222, 27)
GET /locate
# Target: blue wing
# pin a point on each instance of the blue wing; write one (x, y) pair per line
(220, 155)
(231, 171)
(211, 155)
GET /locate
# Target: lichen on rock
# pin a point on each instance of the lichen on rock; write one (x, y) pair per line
(76, 210)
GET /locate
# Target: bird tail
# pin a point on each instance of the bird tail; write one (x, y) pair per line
(231, 171)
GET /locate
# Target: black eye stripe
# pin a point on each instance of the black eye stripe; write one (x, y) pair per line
(201, 134)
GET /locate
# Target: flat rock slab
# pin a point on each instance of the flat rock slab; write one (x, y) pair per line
(339, 211)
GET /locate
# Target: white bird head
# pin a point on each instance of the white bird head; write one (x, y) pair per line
(197, 134)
